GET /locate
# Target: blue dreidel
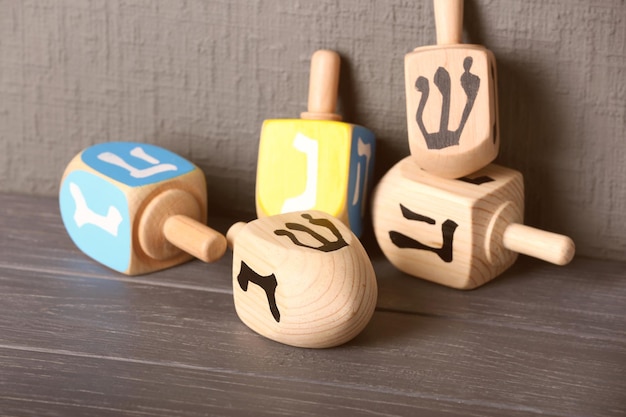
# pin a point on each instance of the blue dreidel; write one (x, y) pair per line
(137, 208)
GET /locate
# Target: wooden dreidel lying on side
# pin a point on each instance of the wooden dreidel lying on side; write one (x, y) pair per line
(137, 208)
(453, 129)
(461, 233)
(316, 162)
(302, 278)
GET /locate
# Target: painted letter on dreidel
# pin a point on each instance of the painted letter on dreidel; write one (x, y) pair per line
(307, 199)
(84, 215)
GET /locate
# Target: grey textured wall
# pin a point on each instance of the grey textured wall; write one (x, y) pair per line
(199, 77)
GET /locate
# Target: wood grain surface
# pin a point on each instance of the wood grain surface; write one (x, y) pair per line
(78, 339)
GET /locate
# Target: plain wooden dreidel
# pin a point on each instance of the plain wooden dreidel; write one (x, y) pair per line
(316, 162)
(302, 278)
(137, 208)
(453, 128)
(461, 232)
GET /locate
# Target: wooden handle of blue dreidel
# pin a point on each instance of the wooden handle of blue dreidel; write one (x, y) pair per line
(323, 86)
(448, 21)
(551, 247)
(195, 238)
(171, 222)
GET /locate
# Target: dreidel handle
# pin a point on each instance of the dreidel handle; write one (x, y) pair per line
(195, 238)
(449, 21)
(551, 247)
(323, 86)
(232, 233)
(170, 223)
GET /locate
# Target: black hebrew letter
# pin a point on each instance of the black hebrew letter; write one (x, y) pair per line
(477, 180)
(326, 245)
(447, 231)
(469, 82)
(268, 283)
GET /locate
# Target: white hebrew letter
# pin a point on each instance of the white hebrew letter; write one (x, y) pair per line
(366, 151)
(307, 199)
(137, 152)
(84, 215)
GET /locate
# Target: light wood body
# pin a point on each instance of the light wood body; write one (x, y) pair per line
(459, 233)
(316, 162)
(157, 219)
(452, 125)
(321, 298)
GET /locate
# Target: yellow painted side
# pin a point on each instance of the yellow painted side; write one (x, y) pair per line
(282, 171)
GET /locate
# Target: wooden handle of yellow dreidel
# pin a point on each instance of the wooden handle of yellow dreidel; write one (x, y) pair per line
(323, 86)
(550, 247)
(449, 21)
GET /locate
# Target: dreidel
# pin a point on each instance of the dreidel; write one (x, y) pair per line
(302, 279)
(137, 208)
(316, 162)
(451, 100)
(458, 232)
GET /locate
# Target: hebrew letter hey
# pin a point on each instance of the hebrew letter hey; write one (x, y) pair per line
(447, 231)
(139, 153)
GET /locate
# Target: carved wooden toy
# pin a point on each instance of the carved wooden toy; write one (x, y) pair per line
(453, 128)
(302, 278)
(137, 208)
(460, 233)
(316, 162)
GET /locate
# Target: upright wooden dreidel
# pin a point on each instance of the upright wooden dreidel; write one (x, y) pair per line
(302, 278)
(460, 233)
(137, 208)
(453, 131)
(316, 162)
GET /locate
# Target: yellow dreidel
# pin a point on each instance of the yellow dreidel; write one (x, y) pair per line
(458, 232)
(302, 278)
(137, 208)
(316, 162)
(451, 100)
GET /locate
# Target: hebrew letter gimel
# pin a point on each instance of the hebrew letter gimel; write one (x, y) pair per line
(267, 283)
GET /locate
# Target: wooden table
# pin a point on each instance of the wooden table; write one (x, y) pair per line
(79, 339)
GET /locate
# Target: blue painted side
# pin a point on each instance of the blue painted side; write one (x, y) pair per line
(109, 208)
(361, 175)
(161, 164)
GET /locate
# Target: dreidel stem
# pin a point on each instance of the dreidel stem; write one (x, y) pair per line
(194, 238)
(232, 233)
(449, 21)
(548, 246)
(323, 86)
(170, 223)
